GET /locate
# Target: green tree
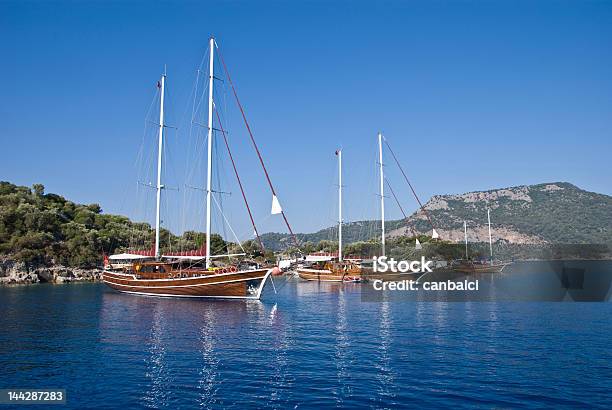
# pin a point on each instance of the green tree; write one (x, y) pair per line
(39, 189)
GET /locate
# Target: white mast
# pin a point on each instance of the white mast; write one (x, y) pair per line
(490, 240)
(382, 192)
(465, 234)
(339, 205)
(160, 147)
(210, 136)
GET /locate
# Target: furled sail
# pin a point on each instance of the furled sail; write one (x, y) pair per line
(276, 208)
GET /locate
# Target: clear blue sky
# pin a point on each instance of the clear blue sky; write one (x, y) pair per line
(473, 95)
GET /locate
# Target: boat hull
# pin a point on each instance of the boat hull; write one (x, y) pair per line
(326, 275)
(495, 268)
(235, 285)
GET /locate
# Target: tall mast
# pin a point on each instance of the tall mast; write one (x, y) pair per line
(465, 235)
(160, 147)
(490, 240)
(339, 205)
(210, 137)
(382, 193)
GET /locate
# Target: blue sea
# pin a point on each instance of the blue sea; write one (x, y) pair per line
(310, 345)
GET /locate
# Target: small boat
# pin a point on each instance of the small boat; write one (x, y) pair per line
(192, 274)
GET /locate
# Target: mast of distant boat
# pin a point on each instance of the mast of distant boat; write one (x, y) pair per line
(490, 240)
(466, 243)
(160, 146)
(382, 193)
(210, 136)
(339, 152)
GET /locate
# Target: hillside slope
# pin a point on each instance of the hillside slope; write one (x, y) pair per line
(553, 212)
(557, 212)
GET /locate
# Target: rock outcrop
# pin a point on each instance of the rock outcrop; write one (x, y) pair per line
(13, 272)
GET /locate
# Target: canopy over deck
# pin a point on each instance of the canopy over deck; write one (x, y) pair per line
(127, 256)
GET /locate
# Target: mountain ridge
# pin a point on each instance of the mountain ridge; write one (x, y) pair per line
(550, 212)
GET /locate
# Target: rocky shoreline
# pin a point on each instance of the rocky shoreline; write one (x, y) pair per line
(18, 273)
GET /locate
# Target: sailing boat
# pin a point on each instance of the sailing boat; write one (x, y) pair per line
(168, 275)
(470, 266)
(369, 272)
(332, 267)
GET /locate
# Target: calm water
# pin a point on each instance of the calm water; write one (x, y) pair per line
(308, 346)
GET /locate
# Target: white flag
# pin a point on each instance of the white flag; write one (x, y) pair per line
(434, 234)
(276, 208)
(418, 245)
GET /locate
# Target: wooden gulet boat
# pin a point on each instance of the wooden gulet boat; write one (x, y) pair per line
(158, 278)
(368, 272)
(329, 268)
(189, 275)
(469, 266)
(332, 271)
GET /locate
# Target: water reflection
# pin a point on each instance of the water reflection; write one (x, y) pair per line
(208, 374)
(281, 382)
(341, 348)
(384, 373)
(164, 334)
(157, 395)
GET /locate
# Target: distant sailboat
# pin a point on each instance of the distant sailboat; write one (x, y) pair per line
(332, 267)
(470, 266)
(368, 272)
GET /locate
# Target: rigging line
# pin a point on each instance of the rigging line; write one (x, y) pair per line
(227, 222)
(238, 178)
(143, 203)
(138, 158)
(146, 125)
(195, 96)
(218, 172)
(409, 184)
(198, 71)
(229, 78)
(196, 105)
(400, 207)
(201, 99)
(194, 139)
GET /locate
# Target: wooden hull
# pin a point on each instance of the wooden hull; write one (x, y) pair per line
(495, 268)
(391, 276)
(235, 285)
(326, 275)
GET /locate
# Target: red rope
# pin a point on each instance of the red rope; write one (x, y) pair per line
(238, 178)
(401, 209)
(409, 184)
(229, 78)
